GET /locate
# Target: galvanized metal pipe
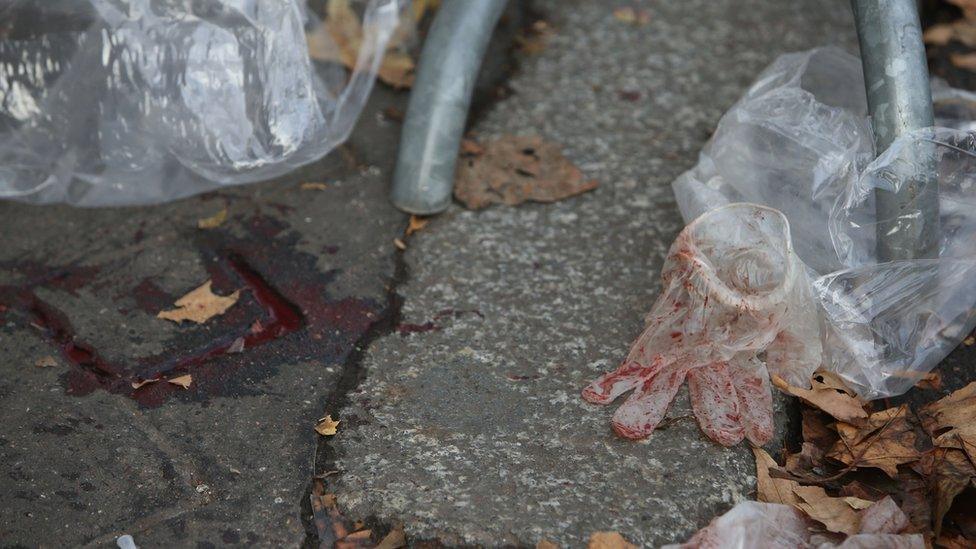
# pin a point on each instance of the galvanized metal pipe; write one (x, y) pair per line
(896, 80)
(438, 107)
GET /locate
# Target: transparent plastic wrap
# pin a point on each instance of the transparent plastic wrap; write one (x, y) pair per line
(733, 288)
(118, 102)
(800, 141)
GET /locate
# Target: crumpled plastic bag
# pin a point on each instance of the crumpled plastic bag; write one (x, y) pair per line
(732, 289)
(775, 526)
(800, 141)
(119, 102)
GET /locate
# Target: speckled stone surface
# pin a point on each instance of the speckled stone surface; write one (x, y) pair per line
(470, 428)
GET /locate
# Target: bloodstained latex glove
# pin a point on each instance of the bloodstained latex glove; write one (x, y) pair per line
(732, 288)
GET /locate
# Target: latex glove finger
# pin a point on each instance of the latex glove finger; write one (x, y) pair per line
(715, 403)
(751, 381)
(645, 408)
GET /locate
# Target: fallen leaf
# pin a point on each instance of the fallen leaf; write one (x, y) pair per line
(808, 458)
(838, 404)
(340, 37)
(951, 472)
(394, 114)
(546, 544)
(326, 427)
(471, 147)
(931, 381)
(394, 539)
(200, 305)
(213, 221)
(516, 169)
(965, 61)
(608, 540)
(969, 341)
(314, 186)
(939, 35)
(534, 39)
(331, 525)
(822, 380)
(183, 381)
(814, 428)
(837, 514)
(632, 16)
(47, 361)
(400, 245)
(137, 384)
(772, 490)
(885, 441)
(951, 420)
(416, 223)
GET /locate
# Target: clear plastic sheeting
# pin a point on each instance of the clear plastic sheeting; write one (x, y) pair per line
(774, 526)
(800, 141)
(117, 102)
(733, 288)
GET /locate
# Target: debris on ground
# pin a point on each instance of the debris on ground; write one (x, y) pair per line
(200, 305)
(47, 361)
(892, 471)
(632, 16)
(755, 524)
(213, 221)
(609, 540)
(326, 426)
(182, 381)
(340, 36)
(533, 39)
(314, 186)
(416, 223)
(511, 170)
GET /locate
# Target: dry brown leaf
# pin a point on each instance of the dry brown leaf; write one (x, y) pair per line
(326, 427)
(632, 16)
(939, 35)
(814, 428)
(951, 420)
(471, 147)
(823, 380)
(137, 384)
(885, 441)
(417, 223)
(546, 544)
(952, 471)
(400, 244)
(340, 37)
(516, 169)
(772, 490)
(609, 540)
(200, 305)
(837, 514)
(965, 61)
(809, 457)
(213, 221)
(314, 186)
(838, 404)
(47, 361)
(931, 381)
(394, 540)
(183, 381)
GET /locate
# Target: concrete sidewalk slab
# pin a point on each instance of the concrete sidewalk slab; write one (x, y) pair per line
(468, 426)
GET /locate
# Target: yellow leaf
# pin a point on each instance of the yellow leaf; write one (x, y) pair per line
(200, 305)
(183, 381)
(326, 427)
(609, 540)
(213, 221)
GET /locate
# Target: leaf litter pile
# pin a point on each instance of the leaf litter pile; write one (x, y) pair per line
(864, 477)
